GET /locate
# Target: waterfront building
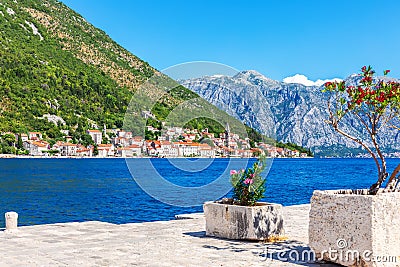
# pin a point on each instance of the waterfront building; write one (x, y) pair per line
(68, 149)
(106, 150)
(35, 136)
(206, 151)
(96, 135)
(36, 148)
(82, 151)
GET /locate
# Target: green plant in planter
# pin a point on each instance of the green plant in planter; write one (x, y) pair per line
(375, 103)
(249, 185)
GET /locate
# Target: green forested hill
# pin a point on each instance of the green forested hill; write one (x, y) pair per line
(54, 62)
(68, 68)
(50, 74)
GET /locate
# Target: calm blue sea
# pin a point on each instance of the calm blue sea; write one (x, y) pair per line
(46, 191)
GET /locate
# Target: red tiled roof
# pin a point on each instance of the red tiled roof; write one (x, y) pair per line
(133, 146)
(40, 144)
(165, 143)
(104, 145)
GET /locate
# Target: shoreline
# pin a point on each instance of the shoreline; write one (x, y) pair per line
(180, 216)
(10, 156)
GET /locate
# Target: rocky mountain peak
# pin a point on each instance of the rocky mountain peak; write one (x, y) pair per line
(253, 77)
(298, 111)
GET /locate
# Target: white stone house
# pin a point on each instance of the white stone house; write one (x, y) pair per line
(245, 153)
(84, 151)
(147, 114)
(136, 150)
(272, 152)
(106, 150)
(35, 136)
(206, 151)
(96, 135)
(68, 149)
(162, 138)
(137, 140)
(207, 135)
(151, 129)
(120, 141)
(36, 148)
(280, 152)
(127, 135)
(189, 149)
(24, 137)
(130, 151)
(189, 137)
(124, 152)
(168, 149)
(294, 153)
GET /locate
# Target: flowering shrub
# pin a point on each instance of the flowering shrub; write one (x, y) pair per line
(249, 185)
(375, 102)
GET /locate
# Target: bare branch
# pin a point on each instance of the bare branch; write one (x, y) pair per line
(394, 127)
(393, 180)
(359, 142)
(363, 122)
(394, 112)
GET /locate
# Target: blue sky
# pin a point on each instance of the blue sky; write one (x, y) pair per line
(319, 39)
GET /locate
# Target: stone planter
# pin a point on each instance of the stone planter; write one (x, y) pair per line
(352, 228)
(261, 222)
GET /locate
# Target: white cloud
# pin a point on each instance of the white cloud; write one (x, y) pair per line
(301, 79)
(321, 82)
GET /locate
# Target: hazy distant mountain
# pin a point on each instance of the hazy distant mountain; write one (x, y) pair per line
(298, 111)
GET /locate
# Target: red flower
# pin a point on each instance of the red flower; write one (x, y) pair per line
(367, 79)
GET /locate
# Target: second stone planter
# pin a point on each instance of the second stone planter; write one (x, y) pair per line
(352, 228)
(261, 222)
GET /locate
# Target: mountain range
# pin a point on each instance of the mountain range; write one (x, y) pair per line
(298, 112)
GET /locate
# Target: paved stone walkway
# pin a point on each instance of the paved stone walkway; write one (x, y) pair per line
(172, 243)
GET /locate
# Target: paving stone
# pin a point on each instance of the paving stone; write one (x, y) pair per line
(180, 242)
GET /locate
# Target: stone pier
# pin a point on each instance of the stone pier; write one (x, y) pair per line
(179, 242)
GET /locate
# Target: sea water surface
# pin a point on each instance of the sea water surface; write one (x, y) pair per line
(45, 191)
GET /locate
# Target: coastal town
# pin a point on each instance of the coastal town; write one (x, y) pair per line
(172, 142)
